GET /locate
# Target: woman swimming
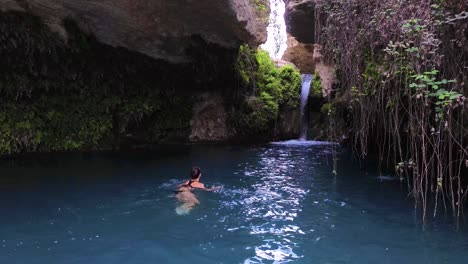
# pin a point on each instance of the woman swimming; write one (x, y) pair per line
(184, 193)
(194, 182)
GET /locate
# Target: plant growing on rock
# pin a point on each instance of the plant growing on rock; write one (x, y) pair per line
(402, 67)
(57, 96)
(268, 89)
(316, 85)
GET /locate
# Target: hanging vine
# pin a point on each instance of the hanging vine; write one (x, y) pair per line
(403, 66)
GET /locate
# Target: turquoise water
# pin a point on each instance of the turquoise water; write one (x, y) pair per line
(279, 203)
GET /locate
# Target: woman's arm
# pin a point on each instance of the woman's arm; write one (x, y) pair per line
(200, 185)
(213, 188)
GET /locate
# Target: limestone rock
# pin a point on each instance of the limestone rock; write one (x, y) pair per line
(6, 5)
(300, 19)
(282, 63)
(325, 71)
(300, 54)
(327, 76)
(157, 28)
(209, 119)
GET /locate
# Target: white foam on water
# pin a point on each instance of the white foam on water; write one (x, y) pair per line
(182, 210)
(282, 254)
(169, 184)
(298, 142)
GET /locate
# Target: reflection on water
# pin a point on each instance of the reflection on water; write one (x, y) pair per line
(270, 205)
(280, 203)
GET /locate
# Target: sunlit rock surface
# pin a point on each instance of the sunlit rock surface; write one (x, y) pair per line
(300, 54)
(157, 28)
(282, 63)
(326, 71)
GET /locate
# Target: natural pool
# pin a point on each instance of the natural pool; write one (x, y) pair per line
(279, 203)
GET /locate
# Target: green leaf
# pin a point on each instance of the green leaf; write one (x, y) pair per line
(433, 72)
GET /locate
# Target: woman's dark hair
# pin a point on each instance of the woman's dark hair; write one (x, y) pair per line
(195, 172)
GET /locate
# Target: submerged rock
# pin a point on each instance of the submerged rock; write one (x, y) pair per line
(157, 28)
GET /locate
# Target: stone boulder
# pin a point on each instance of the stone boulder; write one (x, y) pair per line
(300, 19)
(157, 28)
(300, 54)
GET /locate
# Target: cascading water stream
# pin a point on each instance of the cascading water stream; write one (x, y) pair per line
(306, 80)
(276, 46)
(276, 41)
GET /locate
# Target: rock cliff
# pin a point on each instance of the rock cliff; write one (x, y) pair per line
(157, 28)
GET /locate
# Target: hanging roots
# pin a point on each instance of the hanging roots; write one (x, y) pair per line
(402, 65)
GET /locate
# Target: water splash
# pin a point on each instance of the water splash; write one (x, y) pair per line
(276, 41)
(306, 80)
(305, 143)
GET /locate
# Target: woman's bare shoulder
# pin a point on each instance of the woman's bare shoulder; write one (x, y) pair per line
(198, 185)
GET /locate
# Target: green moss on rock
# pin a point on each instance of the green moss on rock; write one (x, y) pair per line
(316, 85)
(57, 96)
(268, 90)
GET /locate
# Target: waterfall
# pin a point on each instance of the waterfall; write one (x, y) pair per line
(276, 41)
(306, 80)
(276, 46)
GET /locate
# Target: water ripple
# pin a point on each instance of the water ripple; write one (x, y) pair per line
(269, 206)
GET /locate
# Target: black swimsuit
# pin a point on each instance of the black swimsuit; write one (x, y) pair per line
(189, 184)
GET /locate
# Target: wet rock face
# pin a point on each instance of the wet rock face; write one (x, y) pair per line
(288, 125)
(209, 119)
(157, 28)
(299, 16)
